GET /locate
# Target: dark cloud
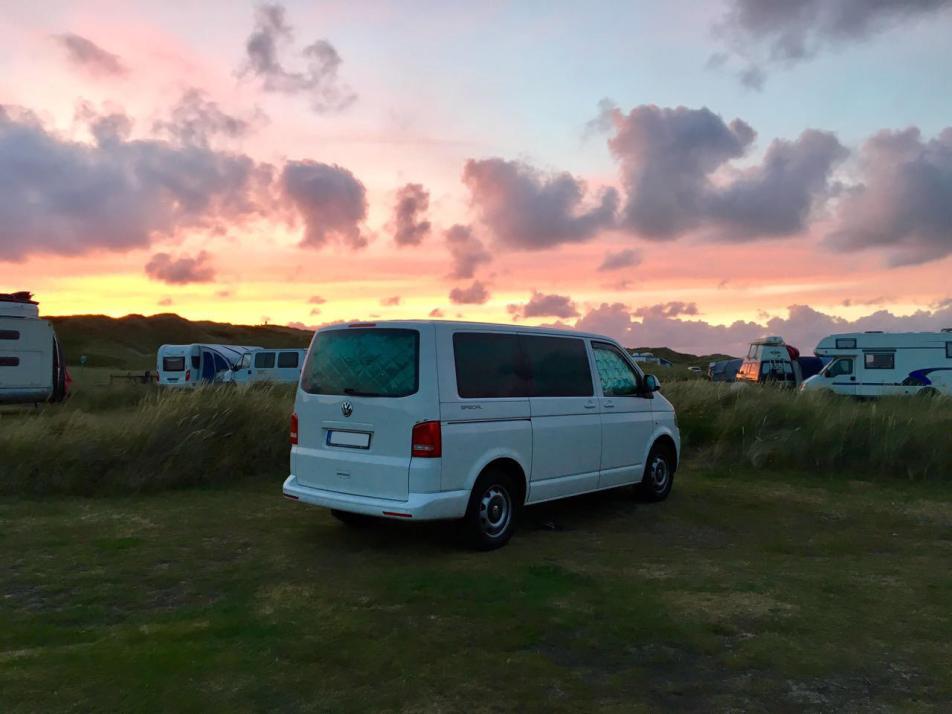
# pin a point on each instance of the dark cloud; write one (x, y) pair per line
(669, 157)
(785, 32)
(667, 309)
(181, 270)
(331, 201)
(475, 294)
(627, 258)
(390, 301)
(195, 119)
(467, 251)
(318, 80)
(89, 56)
(803, 327)
(409, 215)
(66, 197)
(904, 200)
(541, 305)
(524, 208)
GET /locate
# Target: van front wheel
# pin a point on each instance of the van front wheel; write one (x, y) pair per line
(659, 475)
(491, 514)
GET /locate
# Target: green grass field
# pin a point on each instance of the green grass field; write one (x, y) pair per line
(779, 594)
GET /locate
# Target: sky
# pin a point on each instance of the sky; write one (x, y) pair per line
(682, 174)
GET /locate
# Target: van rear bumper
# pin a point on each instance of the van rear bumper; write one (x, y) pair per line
(418, 506)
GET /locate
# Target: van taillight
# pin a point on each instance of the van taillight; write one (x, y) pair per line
(427, 440)
(294, 429)
(188, 375)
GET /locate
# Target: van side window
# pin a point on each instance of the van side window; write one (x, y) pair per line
(617, 377)
(288, 359)
(558, 367)
(880, 360)
(264, 360)
(489, 365)
(840, 367)
(196, 361)
(948, 350)
(9, 334)
(9, 361)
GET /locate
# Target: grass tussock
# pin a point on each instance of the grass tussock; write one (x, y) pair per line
(730, 425)
(132, 438)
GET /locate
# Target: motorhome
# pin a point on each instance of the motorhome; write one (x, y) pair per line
(191, 365)
(418, 420)
(770, 360)
(877, 364)
(267, 365)
(32, 366)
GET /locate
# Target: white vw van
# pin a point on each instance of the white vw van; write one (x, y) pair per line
(267, 365)
(445, 420)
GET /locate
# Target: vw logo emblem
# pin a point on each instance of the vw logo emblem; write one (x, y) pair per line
(346, 408)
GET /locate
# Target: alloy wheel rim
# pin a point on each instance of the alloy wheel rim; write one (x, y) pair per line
(659, 473)
(495, 511)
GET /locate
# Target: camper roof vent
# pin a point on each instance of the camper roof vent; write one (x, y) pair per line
(947, 329)
(23, 297)
(873, 332)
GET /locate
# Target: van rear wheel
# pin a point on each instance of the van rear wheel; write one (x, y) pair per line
(658, 478)
(491, 515)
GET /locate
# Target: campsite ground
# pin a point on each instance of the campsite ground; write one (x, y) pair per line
(779, 592)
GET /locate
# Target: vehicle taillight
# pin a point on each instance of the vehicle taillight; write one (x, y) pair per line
(294, 429)
(188, 375)
(427, 440)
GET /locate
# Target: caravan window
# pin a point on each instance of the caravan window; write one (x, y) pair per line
(948, 350)
(846, 343)
(880, 360)
(9, 334)
(9, 361)
(264, 360)
(196, 361)
(288, 360)
(173, 364)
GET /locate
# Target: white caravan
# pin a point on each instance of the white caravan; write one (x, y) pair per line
(191, 365)
(878, 364)
(452, 420)
(771, 361)
(268, 365)
(32, 367)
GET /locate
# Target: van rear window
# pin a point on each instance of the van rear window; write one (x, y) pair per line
(173, 364)
(363, 362)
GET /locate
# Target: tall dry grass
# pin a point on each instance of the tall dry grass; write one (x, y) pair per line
(127, 439)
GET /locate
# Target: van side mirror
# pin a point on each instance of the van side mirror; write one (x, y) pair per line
(652, 383)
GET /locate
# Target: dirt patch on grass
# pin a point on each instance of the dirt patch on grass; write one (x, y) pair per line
(730, 606)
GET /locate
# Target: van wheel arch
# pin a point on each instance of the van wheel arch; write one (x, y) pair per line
(667, 443)
(514, 470)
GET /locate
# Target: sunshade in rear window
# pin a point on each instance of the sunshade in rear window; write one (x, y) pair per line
(372, 362)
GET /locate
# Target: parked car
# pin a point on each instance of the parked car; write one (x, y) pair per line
(191, 365)
(267, 365)
(442, 420)
(876, 364)
(724, 370)
(32, 366)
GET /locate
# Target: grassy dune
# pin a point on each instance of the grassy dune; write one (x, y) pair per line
(132, 438)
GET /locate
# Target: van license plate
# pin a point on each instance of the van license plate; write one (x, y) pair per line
(351, 439)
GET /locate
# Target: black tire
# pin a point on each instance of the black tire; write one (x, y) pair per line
(658, 479)
(351, 519)
(491, 515)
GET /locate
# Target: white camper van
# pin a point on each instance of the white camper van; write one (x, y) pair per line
(191, 365)
(447, 420)
(32, 367)
(771, 361)
(268, 365)
(877, 364)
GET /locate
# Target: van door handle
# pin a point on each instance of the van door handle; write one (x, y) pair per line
(590, 405)
(608, 404)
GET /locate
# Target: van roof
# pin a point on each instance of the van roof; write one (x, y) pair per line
(495, 327)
